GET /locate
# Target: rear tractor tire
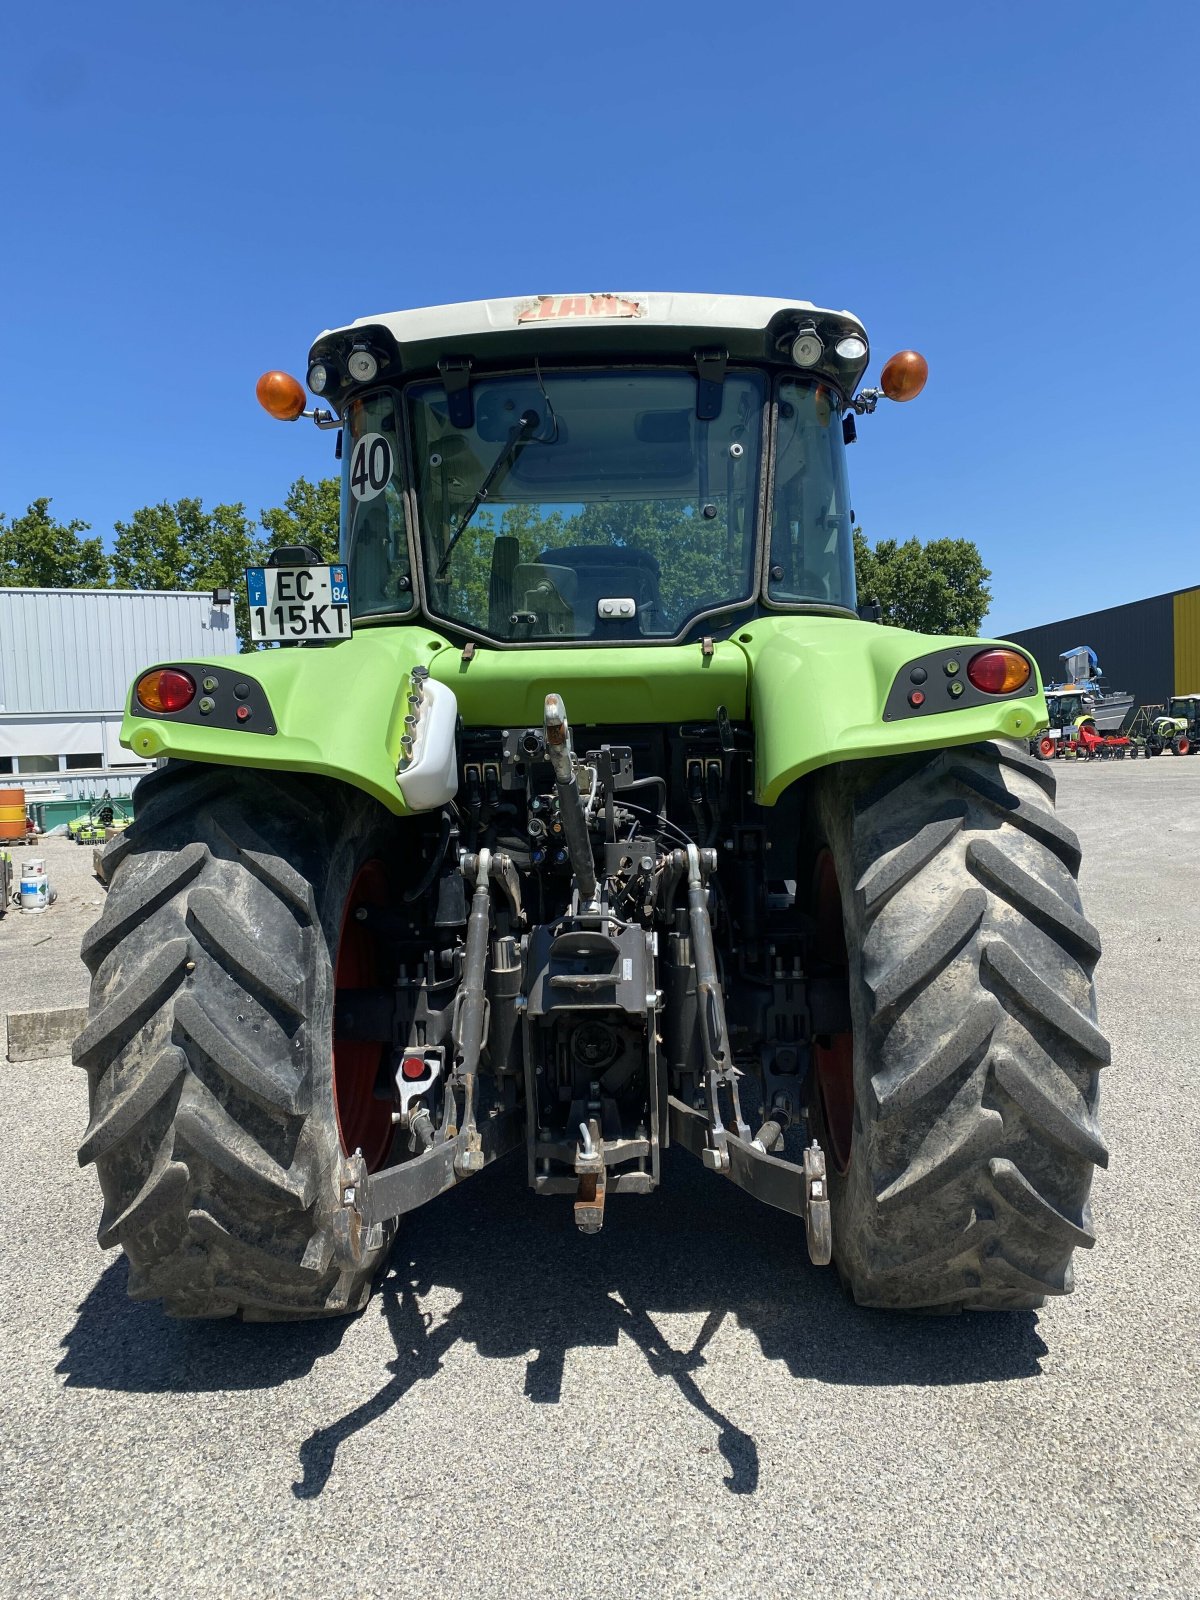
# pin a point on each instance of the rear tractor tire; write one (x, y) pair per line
(215, 1097)
(960, 1115)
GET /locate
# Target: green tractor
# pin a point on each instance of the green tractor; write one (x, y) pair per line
(577, 811)
(1178, 729)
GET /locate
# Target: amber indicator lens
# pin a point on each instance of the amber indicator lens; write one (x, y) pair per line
(281, 395)
(165, 689)
(998, 671)
(904, 376)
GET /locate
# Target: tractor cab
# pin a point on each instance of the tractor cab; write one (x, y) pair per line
(599, 468)
(1066, 710)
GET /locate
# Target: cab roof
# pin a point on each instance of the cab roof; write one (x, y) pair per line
(609, 327)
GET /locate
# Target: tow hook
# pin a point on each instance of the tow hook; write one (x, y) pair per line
(590, 1170)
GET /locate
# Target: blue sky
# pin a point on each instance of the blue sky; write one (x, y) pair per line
(190, 193)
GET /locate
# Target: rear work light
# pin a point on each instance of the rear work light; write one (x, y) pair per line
(165, 689)
(998, 671)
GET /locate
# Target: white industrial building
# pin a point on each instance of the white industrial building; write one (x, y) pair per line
(67, 658)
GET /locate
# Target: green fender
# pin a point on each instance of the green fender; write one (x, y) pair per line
(819, 686)
(339, 710)
(814, 687)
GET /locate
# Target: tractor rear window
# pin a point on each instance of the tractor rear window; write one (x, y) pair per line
(374, 529)
(812, 544)
(587, 505)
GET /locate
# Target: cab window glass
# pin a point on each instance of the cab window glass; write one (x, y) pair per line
(374, 527)
(587, 504)
(812, 544)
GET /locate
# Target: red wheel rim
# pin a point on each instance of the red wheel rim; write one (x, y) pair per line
(1184, 745)
(364, 1123)
(833, 1054)
(1047, 746)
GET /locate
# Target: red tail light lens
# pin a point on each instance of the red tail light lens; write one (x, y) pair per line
(165, 689)
(998, 671)
(413, 1068)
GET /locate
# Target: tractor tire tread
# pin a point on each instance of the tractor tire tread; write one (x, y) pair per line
(200, 1048)
(1022, 813)
(886, 876)
(1028, 894)
(976, 1043)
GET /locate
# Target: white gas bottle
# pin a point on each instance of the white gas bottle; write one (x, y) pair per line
(35, 886)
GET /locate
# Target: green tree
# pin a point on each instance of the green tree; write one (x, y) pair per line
(38, 552)
(939, 587)
(182, 546)
(308, 515)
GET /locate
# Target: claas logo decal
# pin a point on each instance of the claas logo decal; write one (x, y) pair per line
(560, 307)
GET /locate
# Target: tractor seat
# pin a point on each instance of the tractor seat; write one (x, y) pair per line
(606, 572)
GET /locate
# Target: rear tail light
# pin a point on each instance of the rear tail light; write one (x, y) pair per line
(165, 689)
(413, 1068)
(998, 671)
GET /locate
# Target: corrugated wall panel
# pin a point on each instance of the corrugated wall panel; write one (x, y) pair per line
(1187, 641)
(78, 649)
(1134, 644)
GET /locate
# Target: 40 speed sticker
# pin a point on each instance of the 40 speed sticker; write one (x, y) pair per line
(370, 466)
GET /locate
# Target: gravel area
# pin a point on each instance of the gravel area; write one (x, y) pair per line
(680, 1406)
(39, 952)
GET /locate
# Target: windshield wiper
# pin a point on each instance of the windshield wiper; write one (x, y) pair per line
(518, 438)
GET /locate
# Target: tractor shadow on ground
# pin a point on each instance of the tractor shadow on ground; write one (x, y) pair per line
(527, 1284)
(129, 1345)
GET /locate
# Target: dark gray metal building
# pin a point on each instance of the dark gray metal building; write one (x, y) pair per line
(1149, 647)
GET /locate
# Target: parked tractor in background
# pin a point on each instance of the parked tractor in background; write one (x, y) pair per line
(591, 819)
(1178, 729)
(1073, 733)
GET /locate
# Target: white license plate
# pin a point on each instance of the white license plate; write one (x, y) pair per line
(291, 603)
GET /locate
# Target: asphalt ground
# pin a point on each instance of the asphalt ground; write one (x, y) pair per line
(680, 1406)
